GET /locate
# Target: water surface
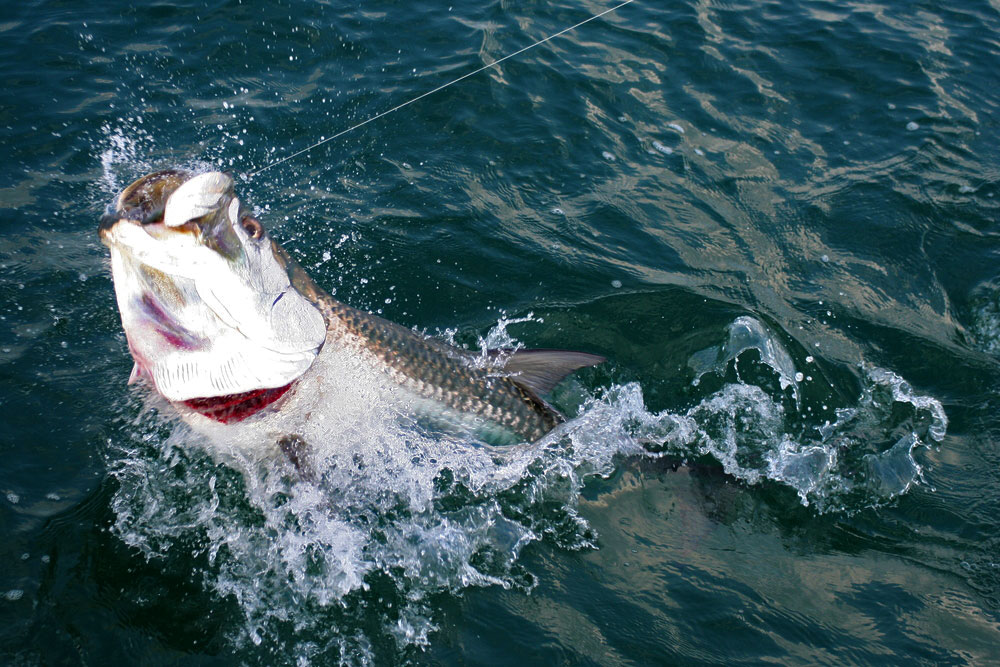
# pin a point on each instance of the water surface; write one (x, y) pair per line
(777, 220)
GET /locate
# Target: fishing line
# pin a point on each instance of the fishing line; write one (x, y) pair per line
(431, 92)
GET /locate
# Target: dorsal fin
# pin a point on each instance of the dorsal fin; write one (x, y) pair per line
(541, 370)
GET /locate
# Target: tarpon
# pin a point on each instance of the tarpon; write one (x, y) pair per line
(224, 325)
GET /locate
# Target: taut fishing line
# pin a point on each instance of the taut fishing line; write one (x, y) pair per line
(431, 92)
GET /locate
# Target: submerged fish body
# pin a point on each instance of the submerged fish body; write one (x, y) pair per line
(229, 329)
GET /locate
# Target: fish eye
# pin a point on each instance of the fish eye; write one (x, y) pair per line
(252, 227)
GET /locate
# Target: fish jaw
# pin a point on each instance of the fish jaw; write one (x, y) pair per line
(207, 308)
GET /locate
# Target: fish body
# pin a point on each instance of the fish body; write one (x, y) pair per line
(231, 331)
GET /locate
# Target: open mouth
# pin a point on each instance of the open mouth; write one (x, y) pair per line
(144, 204)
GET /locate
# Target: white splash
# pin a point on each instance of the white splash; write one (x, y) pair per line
(122, 150)
(747, 333)
(397, 513)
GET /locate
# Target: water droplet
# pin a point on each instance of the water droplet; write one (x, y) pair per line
(911, 126)
(616, 283)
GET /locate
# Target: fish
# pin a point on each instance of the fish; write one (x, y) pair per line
(226, 327)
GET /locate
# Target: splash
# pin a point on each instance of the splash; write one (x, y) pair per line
(345, 566)
(863, 458)
(122, 151)
(125, 148)
(498, 343)
(746, 333)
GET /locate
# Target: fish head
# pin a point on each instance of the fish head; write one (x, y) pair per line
(210, 305)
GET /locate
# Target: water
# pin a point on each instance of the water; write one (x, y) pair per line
(776, 220)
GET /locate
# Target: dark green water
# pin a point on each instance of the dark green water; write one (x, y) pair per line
(778, 220)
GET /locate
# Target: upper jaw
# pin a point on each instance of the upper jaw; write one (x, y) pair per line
(197, 203)
(108, 220)
(106, 227)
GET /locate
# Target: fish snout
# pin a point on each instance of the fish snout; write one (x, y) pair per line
(108, 220)
(138, 216)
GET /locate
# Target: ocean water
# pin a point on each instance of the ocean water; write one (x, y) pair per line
(777, 220)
